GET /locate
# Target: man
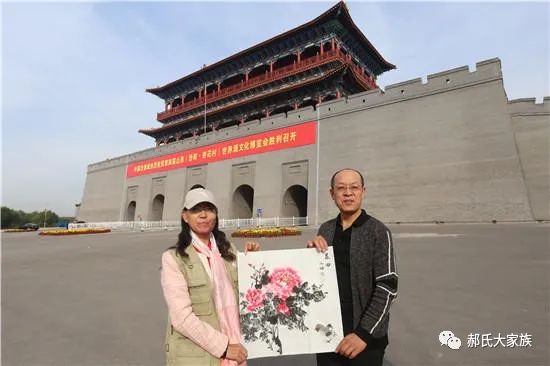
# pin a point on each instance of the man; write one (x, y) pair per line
(366, 273)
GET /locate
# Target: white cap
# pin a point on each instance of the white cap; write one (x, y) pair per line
(198, 195)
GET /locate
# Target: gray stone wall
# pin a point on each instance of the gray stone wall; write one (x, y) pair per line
(440, 150)
(104, 194)
(437, 151)
(531, 124)
(268, 182)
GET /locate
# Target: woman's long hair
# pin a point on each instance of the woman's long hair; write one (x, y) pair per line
(184, 240)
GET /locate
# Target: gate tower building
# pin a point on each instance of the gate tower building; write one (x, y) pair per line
(324, 59)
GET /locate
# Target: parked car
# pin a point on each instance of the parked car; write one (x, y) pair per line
(29, 226)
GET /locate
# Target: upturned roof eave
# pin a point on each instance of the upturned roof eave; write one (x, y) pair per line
(340, 6)
(151, 131)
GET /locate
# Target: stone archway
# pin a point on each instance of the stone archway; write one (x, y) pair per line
(157, 208)
(295, 201)
(131, 211)
(243, 202)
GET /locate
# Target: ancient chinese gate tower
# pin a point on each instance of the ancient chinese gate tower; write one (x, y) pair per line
(326, 58)
(265, 128)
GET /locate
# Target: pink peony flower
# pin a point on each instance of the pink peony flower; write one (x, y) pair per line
(255, 298)
(283, 309)
(282, 282)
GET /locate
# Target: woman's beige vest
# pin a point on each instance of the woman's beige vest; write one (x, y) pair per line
(180, 350)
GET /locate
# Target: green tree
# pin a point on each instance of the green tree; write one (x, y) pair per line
(15, 218)
(51, 218)
(11, 218)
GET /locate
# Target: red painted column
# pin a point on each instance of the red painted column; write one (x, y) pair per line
(295, 106)
(246, 77)
(322, 51)
(271, 67)
(299, 54)
(219, 86)
(338, 94)
(332, 44)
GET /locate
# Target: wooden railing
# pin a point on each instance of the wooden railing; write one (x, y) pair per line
(365, 78)
(268, 77)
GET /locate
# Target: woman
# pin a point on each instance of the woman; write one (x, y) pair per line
(199, 281)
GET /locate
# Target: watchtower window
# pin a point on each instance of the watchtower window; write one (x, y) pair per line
(285, 61)
(311, 51)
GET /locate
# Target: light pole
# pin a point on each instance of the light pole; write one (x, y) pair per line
(45, 212)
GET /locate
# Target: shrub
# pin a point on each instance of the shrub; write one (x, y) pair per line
(268, 232)
(87, 230)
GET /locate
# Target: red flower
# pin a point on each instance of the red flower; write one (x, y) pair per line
(255, 298)
(283, 309)
(282, 282)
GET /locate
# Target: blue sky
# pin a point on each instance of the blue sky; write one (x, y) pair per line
(74, 74)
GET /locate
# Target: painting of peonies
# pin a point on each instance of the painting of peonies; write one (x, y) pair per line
(289, 302)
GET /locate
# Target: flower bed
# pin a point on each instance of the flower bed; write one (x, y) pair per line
(75, 231)
(267, 232)
(16, 230)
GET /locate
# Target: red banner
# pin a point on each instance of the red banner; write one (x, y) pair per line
(280, 139)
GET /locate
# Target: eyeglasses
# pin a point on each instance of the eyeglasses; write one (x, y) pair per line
(353, 188)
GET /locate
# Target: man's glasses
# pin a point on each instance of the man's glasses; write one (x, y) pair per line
(353, 188)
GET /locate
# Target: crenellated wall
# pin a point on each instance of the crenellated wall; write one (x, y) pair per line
(450, 149)
(531, 124)
(443, 150)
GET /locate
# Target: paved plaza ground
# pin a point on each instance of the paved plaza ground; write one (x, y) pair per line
(96, 299)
